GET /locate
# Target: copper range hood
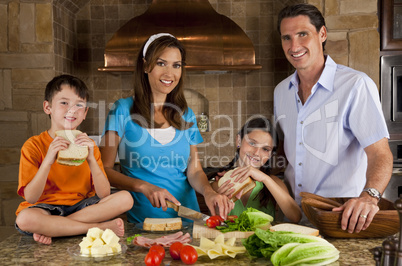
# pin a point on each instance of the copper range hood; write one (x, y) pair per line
(213, 41)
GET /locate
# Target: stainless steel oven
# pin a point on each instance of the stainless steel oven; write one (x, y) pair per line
(394, 188)
(391, 92)
(391, 100)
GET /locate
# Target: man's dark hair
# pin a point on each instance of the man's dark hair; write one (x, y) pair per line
(308, 10)
(75, 83)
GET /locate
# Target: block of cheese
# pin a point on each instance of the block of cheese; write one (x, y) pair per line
(97, 242)
(100, 243)
(101, 250)
(162, 224)
(116, 248)
(86, 242)
(110, 238)
(94, 233)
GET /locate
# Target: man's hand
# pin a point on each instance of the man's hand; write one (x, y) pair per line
(358, 213)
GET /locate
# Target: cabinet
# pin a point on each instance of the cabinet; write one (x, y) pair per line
(391, 25)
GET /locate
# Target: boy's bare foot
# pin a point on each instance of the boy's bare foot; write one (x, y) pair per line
(42, 239)
(116, 225)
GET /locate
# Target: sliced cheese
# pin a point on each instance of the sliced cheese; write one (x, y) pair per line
(219, 247)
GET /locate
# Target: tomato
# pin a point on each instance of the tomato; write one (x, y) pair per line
(211, 223)
(188, 255)
(214, 221)
(217, 217)
(152, 258)
(232, 218)
(159, 249)
(175, 249)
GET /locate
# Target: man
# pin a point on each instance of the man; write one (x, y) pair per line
(334, 133)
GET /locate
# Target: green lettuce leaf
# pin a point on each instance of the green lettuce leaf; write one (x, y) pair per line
(317, 253)
(249, 220)
(78, 161)
(265, 243)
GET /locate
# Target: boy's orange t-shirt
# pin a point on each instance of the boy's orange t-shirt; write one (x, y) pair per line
(65, 185)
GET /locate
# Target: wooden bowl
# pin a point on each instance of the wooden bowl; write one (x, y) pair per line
(385, 222)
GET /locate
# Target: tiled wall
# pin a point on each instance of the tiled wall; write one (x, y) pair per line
(42, 38)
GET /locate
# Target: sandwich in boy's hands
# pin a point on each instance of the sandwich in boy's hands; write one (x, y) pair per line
(80, 147)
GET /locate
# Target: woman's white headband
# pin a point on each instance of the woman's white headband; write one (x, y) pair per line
(153, 38)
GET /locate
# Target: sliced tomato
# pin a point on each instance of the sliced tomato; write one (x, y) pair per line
(231, 218)
(175, 249)
(152, 258)
(188, 255)
(159, 249)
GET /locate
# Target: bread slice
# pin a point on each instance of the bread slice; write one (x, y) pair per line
(162, 224)
(242, 188)
(295, 228)
(74, 155)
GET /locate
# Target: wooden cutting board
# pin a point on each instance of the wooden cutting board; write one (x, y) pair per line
(202, 230)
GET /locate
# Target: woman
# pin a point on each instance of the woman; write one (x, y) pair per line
(254, 149)
(155, 134)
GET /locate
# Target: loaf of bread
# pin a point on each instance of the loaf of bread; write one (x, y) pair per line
(162, 224)
(295, 228)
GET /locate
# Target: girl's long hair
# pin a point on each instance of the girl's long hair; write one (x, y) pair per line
(263, 124)
(175, 105)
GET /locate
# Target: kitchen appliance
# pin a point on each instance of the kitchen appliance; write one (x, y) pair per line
(213, 41)
(391, 100)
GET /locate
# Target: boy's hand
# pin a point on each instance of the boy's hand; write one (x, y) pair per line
(83, 140)
(57, 145)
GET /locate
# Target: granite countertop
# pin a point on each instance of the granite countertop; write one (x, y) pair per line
(23, 250)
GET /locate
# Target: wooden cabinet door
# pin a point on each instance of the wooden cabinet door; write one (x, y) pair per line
(391, 25)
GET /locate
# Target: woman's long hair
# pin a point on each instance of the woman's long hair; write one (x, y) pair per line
(175, 105)
(263, 124)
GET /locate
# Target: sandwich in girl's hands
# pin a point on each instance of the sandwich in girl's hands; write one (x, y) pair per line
(239, 188)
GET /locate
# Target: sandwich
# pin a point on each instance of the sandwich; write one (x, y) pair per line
(162, 224)
(74, 155)
(239, 188)
(295, 228)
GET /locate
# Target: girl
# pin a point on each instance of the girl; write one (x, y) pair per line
(254, 149)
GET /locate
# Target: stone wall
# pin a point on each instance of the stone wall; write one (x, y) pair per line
(26, 64)
(43, 38)
(353, 37)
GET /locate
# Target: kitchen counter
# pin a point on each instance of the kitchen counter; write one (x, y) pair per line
(23, 250)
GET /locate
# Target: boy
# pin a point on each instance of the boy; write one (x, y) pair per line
(65, 200)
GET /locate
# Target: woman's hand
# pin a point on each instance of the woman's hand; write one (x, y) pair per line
(158, 196)
(218, 204)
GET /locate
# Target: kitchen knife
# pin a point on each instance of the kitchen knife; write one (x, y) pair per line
(188, 213)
